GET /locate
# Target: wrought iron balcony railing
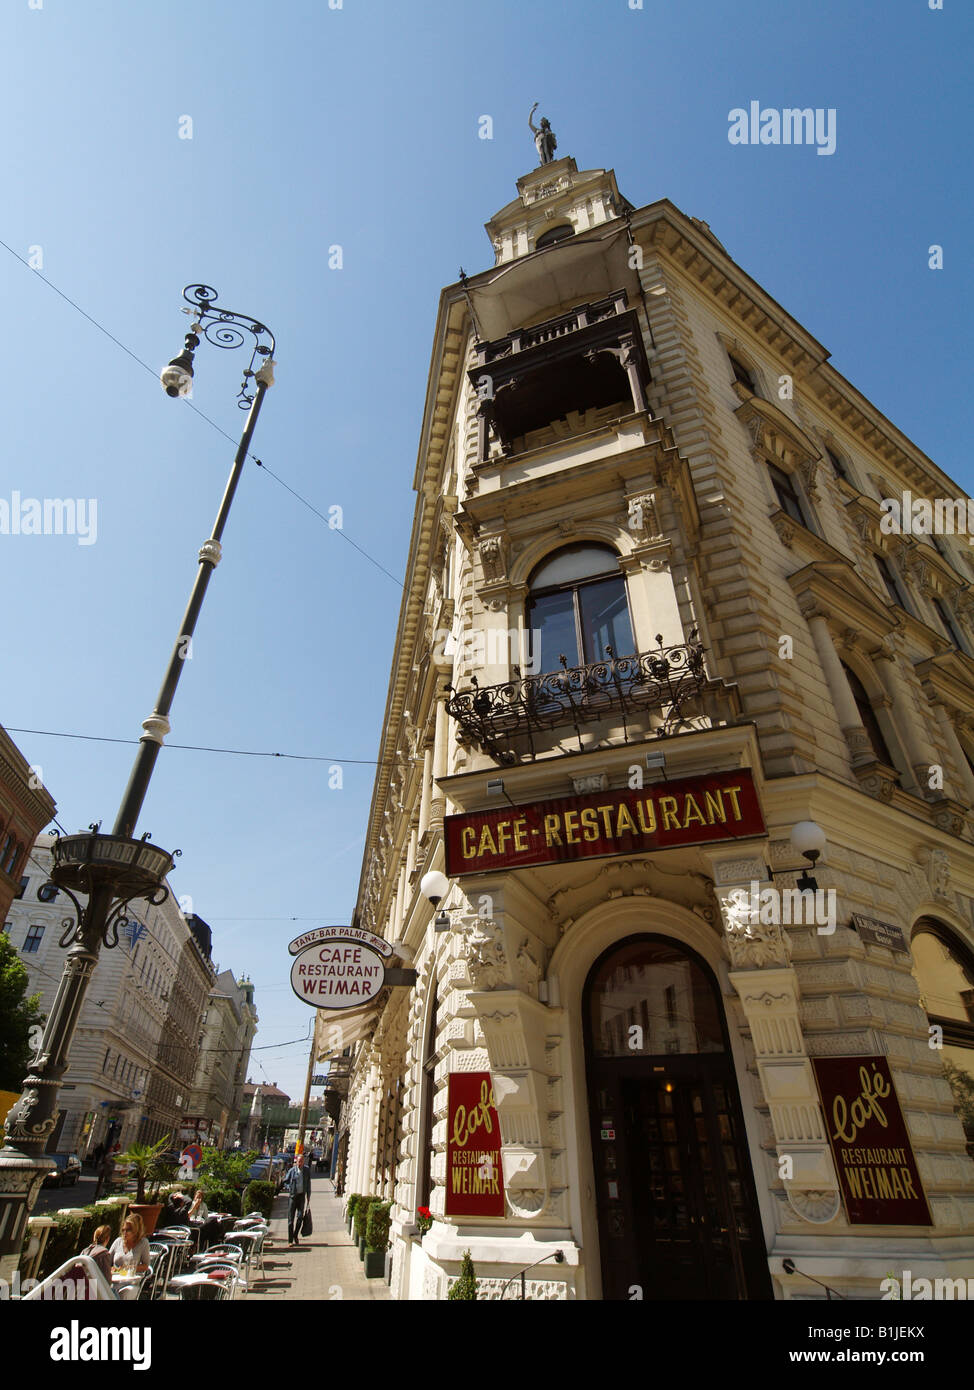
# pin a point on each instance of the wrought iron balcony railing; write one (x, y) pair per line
(626, 687)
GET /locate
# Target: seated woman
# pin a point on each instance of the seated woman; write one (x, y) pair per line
(131, 1250)
(98, 1251)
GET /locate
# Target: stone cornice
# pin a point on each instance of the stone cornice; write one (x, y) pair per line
(712, 271)
(833, 589)
(35, 803)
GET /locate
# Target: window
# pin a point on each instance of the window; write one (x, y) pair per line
(46, 893)
(23, 887)
(787, 494)
(838, 467)
(32, 941)
(577, 608)
(868, 717)
(948, 624)
(893, 586)
(108, 1053)
(944, 970)
(9, 854)
(743, 374)
(553, 235)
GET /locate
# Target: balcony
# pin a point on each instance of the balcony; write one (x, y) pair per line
(541, 378)
(663, 692)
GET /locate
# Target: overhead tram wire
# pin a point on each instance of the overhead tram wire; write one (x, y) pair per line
(196, 747)
(196, 410)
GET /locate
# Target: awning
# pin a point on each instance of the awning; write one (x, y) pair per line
(354, 1025)
(574, 271)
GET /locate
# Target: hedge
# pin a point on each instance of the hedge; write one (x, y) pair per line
(223, 1199)
(259, 1196)
(353, 1202)
(377, 1226)
(72, 1233)
(362, 1215)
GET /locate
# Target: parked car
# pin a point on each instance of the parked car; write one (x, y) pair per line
(67, 1172)
(266, 1170)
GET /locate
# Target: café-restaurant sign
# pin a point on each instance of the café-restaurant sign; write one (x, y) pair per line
(696, 810)
(474, 1180)
(338, 967)
(873, 1156)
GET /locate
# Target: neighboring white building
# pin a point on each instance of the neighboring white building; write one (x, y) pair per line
(229, 1024)
(131, 1063)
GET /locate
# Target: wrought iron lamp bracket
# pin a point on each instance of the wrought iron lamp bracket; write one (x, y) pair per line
(225, 328)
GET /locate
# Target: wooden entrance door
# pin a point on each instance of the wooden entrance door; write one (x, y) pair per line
(677, 1210)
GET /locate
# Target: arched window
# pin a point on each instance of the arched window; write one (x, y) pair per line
(868, 718)
(944, 970)
(577, 607)
(9, 849)
(554, 234)
(743, 374)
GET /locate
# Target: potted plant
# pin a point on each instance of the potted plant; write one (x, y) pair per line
(377, 1239)
(353, 1202)
(147, 1166)
(424, 1220)
(466, 1285)
(361, 1218)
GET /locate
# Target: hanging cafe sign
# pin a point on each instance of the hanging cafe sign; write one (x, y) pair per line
(341, 967)
(693, 811)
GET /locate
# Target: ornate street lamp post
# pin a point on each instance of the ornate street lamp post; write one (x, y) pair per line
(114, 870)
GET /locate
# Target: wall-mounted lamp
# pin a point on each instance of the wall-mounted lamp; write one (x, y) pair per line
(656, 762)
(435, 886)
(808, 840)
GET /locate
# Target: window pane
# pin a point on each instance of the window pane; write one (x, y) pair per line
(574, 562)
(552, 633)
(605, 619)
(655, 986)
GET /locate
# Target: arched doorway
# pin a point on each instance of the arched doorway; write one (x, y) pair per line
(677, 1210)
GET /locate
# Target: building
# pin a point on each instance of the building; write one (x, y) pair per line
(655, 619)
(229, 1025)
(134, 1053)
(26, 807)
(270, 1108)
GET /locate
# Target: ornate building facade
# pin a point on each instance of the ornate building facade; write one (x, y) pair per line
(654, 620)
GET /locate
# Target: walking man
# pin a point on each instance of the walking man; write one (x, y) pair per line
(298, 1184)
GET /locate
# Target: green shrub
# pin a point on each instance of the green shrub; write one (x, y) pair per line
(377, 1226)
(466, 1285)
(223, 1199)
(259, 1196)
(351, 1205)
(362, 1215)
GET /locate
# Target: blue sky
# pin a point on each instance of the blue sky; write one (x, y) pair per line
(314, 127)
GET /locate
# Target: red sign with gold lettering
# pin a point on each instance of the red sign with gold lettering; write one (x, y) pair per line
(873, 1156)
(693, 811)
(474, 1180)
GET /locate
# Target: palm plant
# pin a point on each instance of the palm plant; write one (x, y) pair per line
(146, 1164)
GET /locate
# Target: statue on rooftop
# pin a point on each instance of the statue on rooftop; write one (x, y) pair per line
(544, 137)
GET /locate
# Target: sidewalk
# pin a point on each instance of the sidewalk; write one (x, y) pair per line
(324, 1266)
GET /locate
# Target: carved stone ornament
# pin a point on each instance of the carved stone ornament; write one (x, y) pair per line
(643, 514)
(937, 864)
(526, 1202)
(751, 944)
(485, 956)
(493, 557)
(818, 1206)
(527, 970)
(785, 527)
(18, 1128)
